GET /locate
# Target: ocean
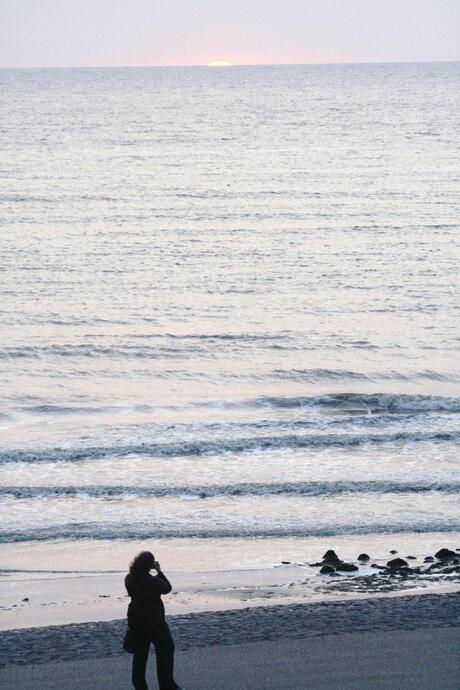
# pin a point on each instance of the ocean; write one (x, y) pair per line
(229, 302)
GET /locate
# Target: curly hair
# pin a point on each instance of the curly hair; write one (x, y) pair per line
(142, 564)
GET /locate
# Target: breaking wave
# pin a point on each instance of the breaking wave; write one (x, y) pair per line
(238, 445)
(102, 531)
(369, 403)
(231, 490)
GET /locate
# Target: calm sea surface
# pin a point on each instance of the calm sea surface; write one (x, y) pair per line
(229, 301)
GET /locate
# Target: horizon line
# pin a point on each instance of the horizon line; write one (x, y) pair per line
(232, 66)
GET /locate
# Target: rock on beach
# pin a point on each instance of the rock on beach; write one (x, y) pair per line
(397, 564)
(445, 555)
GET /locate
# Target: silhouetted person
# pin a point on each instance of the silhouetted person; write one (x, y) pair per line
(146, 621)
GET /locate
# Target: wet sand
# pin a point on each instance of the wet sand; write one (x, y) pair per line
(45, 584)
(383, 644)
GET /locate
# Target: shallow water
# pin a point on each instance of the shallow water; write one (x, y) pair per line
(229, 302)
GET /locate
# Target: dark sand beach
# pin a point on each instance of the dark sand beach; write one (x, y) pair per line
(385, 642)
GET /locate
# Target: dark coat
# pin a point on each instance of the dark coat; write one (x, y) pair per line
(146, 610)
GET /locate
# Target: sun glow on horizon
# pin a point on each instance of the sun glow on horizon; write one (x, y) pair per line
(220, 63)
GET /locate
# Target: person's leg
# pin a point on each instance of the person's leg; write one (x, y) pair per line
(140, 657)
(164, 650)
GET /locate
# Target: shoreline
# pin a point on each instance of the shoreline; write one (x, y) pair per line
(64, 583)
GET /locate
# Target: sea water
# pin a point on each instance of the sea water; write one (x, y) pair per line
(229, 302)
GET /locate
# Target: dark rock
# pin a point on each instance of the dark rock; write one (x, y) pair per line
(379, 567)
(26, 599)
(331, 557)
(316, 565)
(411, 558)
(364, 557)
(285, 562)
(397, 564)
(393, 551)
(327, 570)
(333, 563)
(347, 567)
(428, 559)
(445, 554)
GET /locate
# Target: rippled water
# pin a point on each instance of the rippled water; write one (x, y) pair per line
(229, 301)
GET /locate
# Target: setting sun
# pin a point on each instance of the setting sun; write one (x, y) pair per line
(220, 63)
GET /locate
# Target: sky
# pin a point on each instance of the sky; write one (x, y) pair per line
(64, 33)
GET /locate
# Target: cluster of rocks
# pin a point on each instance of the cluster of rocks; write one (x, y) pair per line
(331, 563)
(445, 562)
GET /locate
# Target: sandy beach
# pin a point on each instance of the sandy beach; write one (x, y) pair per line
(384, 643)
(386, 661)
(268, 625)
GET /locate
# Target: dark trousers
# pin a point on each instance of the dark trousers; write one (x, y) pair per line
(161, 639)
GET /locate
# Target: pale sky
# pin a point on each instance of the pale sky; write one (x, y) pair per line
(60, 33)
